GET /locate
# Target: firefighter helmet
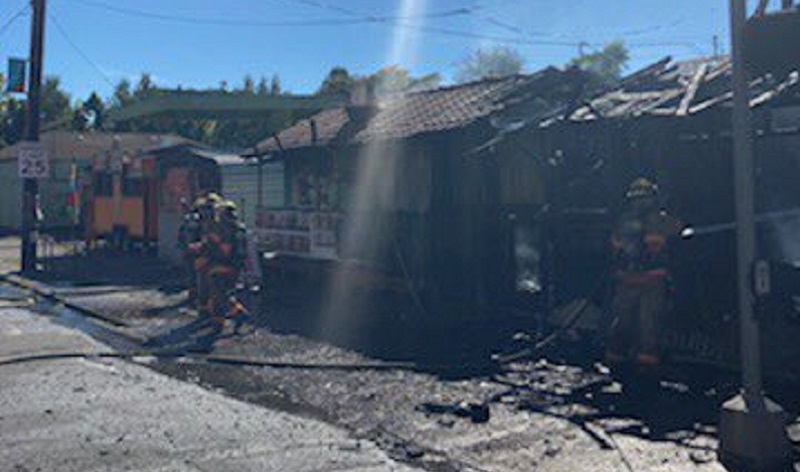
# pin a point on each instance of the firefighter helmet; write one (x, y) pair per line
(642, 188)
(214, 198)
(226, 209)
(204, 206)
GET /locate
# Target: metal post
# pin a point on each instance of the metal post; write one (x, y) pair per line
(260, 189)
(30, 187)
(745, 213)
(752, 427)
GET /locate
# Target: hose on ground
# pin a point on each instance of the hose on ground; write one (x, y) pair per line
(210, 358)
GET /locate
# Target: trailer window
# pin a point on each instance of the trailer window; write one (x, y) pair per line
(103, 185)
(133, 187)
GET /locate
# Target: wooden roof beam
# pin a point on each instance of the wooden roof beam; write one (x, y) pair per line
(691, 90)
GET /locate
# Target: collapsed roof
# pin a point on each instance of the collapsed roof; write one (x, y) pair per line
(679, 88)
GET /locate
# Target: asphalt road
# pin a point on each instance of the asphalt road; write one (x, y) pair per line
(108, 415)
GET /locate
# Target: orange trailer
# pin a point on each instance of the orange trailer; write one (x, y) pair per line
(129, 194)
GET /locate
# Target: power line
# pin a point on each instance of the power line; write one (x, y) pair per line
(473, 10)
(80, 52)
(381, 18)
(486, 37)
(578, 41)
(356, 17)
(621, 35)
(251, 23)
(14, 18)
(437, 30)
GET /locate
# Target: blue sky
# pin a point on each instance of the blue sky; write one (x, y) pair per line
(92, 44)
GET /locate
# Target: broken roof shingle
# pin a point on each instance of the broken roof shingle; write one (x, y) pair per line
(677, 88)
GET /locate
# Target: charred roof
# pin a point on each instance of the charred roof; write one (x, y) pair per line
(679, 88)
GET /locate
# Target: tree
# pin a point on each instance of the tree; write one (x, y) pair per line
(263, 86)
(394, 79)
(249, 85)
(275, 85)
(12, 117)
(489, 63)
(13, 122)
(338, 82)
(122, 94)
(605, 65)
(55, 106)
(390, 79)
(55, 102)
(145, 86)
(425, 82)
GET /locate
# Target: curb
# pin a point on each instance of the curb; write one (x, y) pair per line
(48, 293)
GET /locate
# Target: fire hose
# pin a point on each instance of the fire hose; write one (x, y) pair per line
(691, 231)
(203, 357)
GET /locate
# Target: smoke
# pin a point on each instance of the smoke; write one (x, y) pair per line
(528, 260)
(786, 233)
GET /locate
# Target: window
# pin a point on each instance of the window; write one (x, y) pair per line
(133, 187)
(103, 185)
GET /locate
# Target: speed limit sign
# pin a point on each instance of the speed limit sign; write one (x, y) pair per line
(33, 161)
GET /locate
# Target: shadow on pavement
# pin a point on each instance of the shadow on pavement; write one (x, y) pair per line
(107, 267)
(390, 327)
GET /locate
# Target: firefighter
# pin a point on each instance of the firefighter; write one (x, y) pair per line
(640, 243)
(189, 235)
(226, 245)
(206, 220)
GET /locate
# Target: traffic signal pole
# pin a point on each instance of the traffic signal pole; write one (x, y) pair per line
(30, 186)
(752, 431)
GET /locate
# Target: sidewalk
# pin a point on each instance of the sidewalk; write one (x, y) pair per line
(109, 415)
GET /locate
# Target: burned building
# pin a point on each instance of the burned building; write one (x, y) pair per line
(671, 122)
(397, 192)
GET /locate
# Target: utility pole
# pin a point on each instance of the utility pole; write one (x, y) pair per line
(30, 186)
(716, 47)
(752, 427)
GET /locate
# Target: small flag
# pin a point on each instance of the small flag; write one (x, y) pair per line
(16, 75)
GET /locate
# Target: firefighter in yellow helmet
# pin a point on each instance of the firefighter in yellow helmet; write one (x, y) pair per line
(640, 243)
(198, 249)
(226, 246)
